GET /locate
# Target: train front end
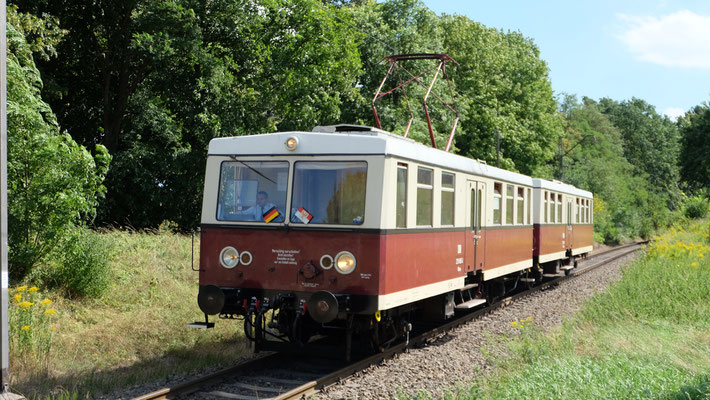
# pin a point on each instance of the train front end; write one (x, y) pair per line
(288, 237)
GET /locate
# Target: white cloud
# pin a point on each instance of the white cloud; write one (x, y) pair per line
(674, 113)
(680, 39)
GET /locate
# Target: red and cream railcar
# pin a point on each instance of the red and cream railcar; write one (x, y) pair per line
(563, 229)
(355, 228)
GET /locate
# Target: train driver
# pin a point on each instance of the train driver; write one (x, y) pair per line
(258, 211)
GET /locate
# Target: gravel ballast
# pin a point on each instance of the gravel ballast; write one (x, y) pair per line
(457, 357)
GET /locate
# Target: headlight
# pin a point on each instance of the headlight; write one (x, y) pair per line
(229, 257)
(345, 262)
(291, 143)
(245, 258)
(326, 262)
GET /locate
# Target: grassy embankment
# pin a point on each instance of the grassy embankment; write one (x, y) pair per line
(135, 332)
(648, 336)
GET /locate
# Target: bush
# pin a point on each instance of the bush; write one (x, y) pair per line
(53, 182)
(696, 207)
(82, 269)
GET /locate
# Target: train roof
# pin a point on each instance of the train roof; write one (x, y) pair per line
(560, 187)
(356, 140)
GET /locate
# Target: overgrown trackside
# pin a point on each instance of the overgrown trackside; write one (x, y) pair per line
(647, 336)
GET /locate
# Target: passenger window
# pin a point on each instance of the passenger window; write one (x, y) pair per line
(497, 192)
(425, 194)
(447, 198)
(480, 208)
(559, 208)
(545, 207)
(552, 208)
(529, 221)
(521, 205)
(509, 205)
(401, 195)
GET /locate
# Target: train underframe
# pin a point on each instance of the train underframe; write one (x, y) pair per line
(276, 320)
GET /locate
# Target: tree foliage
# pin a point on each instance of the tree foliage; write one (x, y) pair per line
(695, 147)
(53, 183)
(500, 81)
(628, 204)
(155, 80)
(651, 144)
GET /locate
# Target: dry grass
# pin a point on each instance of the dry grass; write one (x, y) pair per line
(136, 332)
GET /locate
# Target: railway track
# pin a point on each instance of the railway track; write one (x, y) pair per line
(287, 376)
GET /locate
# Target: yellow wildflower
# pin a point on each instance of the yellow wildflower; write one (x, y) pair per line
(26, 304)
(515, 324)
(46, 301)
(33, 289)
(26, 328)
(52, 329)
(17, 297)
(21, 288)
(693, 264)
(49, 311)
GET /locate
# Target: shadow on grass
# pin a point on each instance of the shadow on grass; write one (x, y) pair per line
(696, 389)
(158, 370)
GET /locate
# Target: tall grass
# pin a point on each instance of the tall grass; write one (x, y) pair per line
(648, 336)
(135, 331)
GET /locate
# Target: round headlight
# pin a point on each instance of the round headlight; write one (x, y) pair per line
(291, 143)
(245, 258)
(345, 262)
(229, 257)
(326, 262)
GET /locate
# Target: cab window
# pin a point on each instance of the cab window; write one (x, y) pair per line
(252, 191)
(329, 192)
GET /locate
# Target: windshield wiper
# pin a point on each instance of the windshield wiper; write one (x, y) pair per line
(255, 171)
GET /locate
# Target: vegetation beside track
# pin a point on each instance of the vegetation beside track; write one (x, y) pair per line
(135, 332)
(648, 336)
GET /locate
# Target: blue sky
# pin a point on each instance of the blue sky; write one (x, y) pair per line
(658, 51)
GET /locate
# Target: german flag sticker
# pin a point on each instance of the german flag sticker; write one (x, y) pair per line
(271, 214)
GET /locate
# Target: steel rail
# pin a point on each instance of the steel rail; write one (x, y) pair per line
(312, 386)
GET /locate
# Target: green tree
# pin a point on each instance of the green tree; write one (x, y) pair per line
(595, 161)
(155, 80)
(651, 144)
(695, 147)
(53, 183)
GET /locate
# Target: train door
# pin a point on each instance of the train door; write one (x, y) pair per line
(570, 216)
(475, 234)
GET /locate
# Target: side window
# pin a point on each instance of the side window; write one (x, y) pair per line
(480, 207)
(552, 207)
(497, 192)
(509, 204)
(578, 211)
(425, 194)
(447, 198)
(401, 195)
(473, 209)
(529, 221)
(545, 206)
(559, 208)
(591, 211)
(521, 205)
